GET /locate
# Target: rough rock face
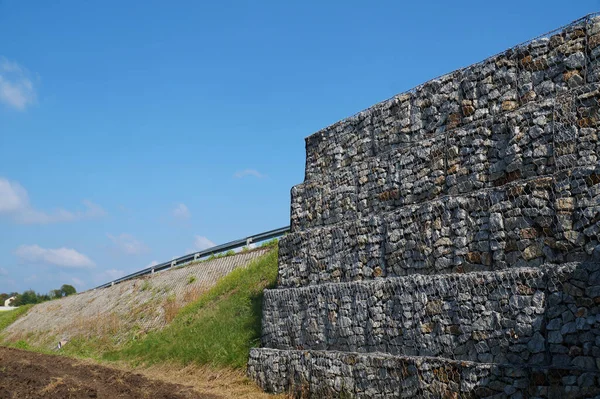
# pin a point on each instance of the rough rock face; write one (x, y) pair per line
(446, 242)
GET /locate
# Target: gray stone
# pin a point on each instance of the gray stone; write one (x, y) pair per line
(536, 344)
(585, 362)
(555, 337)
(496, 222)
(576, 60)
(439, 223)
(568, 328)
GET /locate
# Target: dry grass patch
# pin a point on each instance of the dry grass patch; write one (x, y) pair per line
(192, 293)
(55, 383)
(170, 308)
(223, 382)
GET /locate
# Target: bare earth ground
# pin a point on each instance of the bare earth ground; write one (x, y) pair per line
(25, 374)
(32, 375)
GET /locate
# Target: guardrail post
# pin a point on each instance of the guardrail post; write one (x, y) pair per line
(248, 241)
(196, 256)
(173, 263)
(152, 271)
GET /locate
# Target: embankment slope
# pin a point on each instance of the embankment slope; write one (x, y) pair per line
(126, 311)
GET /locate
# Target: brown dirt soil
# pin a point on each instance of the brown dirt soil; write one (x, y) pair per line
(222, 383)
(26, 374)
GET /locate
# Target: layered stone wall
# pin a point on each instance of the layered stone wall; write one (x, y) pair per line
(326, 374)
(525, 316)
(446, 242)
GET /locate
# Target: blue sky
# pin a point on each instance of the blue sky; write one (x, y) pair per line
(133, 132)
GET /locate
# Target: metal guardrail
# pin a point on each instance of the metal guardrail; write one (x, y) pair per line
(198, 255)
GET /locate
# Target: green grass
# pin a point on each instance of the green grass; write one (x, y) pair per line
(218, 329)
(145, 285)
(9, 317)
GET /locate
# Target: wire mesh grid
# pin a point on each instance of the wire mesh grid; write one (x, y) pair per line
(538, 69)
(468, 265)
(318, 374)
(521, 163)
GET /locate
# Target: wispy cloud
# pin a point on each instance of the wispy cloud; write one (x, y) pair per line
(32, 216)
(107, 275)
(153, 263)
(201, 243)
(79, 283)
(248, 172)
(128, 244)
(181, 212)
(13, 197)
(62, 257)
(114, 274)
(16, 87)
(14, 202)
(3, 272)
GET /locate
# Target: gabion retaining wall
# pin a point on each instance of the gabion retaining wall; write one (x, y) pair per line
(346, 374)
(446, 242)
(523, 316)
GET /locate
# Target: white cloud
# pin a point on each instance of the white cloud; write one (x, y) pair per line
(16, 87)
(128, 244)
(153, 263)
(202, 243)
(3, 272)
(181, 212)
(93, 210)
(13, 197)
(62, 257)
(248, 172)
(14, 202)
(32, 216)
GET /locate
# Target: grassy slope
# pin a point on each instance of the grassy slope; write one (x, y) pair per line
(218, 329)
(9, 317)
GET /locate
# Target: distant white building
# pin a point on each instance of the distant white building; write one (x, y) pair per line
(7, 304)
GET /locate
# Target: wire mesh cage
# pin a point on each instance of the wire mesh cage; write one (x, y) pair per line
(459, 256)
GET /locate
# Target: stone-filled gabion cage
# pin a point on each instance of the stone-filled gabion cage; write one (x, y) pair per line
(446, 242)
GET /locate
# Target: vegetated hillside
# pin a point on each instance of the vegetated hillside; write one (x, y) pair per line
(206, 345)
(102, 320)
(9, 317)
(217, 329)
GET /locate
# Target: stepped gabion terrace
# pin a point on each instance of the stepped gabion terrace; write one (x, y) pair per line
(446, 242)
